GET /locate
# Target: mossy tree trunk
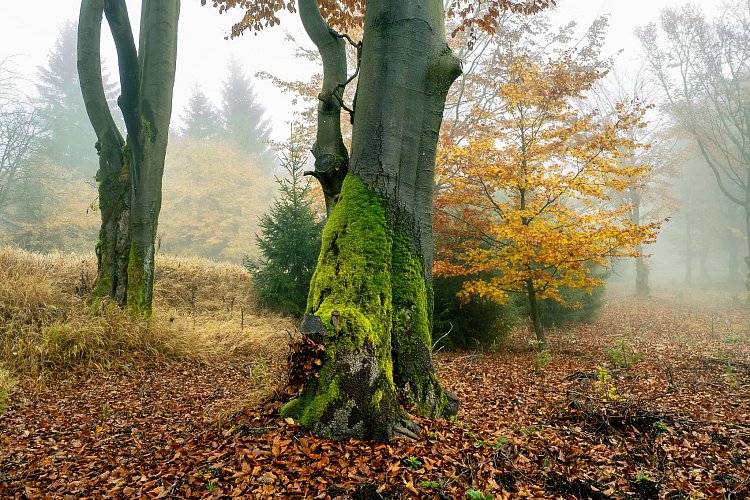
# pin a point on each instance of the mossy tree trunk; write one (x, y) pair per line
(130, 171)
(372, 285)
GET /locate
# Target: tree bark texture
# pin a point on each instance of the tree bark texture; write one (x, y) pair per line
(536, 318)
(331, 156)
(372, 286)
(130, 171)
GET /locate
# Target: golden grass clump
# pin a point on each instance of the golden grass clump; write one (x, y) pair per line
(202, 311)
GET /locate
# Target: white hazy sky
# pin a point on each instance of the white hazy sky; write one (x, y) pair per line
(28, 30)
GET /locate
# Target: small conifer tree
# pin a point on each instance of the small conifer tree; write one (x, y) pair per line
(289, 239)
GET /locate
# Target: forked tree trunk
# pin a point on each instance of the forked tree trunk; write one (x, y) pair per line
(113, 177)
(130, 172)
(372, 287)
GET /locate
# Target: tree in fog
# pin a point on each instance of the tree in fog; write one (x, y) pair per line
(648, 198)
(202, 119)
(21, 129)
(69, 140)
(242, 113)
(704, 70)
(130, 168)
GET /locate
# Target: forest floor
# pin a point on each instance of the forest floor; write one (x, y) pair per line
(668, 417)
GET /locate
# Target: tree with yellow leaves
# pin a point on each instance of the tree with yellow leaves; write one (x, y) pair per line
(527, 203)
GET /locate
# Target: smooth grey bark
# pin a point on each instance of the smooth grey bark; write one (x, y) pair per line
(372, 287)
(113, 247)
(331, 156)
(131, 170)
(406, 71)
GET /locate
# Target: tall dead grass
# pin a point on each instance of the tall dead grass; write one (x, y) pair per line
(203, 311)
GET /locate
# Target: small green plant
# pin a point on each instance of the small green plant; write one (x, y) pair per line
(481, 443)
(104, 411)
(211, 485)
(622, 355)
(542, 359)
(478, 495)
(605, 390)
(730, 374)
(660, 426)
(733, 339)
(413, 462)
(642, 477)
(430, 484)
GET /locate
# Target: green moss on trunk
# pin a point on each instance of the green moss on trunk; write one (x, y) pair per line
(140, 282)
(368, 286)
(354, 395)
(414, 373)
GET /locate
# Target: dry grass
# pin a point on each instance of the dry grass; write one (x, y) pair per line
(202, 311)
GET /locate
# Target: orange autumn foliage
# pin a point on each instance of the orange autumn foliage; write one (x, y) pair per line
(530, 199)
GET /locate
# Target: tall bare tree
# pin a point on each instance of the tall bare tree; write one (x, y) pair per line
(704, 69)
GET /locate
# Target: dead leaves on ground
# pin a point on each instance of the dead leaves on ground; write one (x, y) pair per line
(681, 428)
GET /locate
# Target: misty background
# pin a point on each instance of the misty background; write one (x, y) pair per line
(217, 216)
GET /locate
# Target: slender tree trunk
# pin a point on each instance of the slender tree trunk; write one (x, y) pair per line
(113, 177)
(733, 258)
(747, 232)
(372, 286)
(331, 156)
(641, 267)
(157, 60)
(688, 252)
(536, 318)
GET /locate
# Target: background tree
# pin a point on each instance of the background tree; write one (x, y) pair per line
(289, 238)
(648, 197)
(21, 131)
(703, 68)
(69, 138)
(370, 288)
(528, 201)
(201, 119)
(213, 199)
(243, 114)
(130, 171)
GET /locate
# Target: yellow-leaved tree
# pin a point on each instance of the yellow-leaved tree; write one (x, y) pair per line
(527, 200)
(213, 197)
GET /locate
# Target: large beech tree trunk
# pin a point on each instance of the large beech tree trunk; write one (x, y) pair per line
(372, 288)
(130, 171)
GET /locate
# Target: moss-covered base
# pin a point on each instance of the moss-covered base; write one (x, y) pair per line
(368, 285)
(414, 373)
(140, 280)
(354, 395)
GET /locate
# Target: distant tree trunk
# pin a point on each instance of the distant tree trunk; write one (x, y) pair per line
(130, 172)
(641, 267)
(372, 285)
(536, 318)
(688, 251)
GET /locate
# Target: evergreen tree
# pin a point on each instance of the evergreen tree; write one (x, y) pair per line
(70, 139)
(290, 239)
(243, 114)
(202, 119)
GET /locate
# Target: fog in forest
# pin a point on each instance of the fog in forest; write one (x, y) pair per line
(235, 102)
